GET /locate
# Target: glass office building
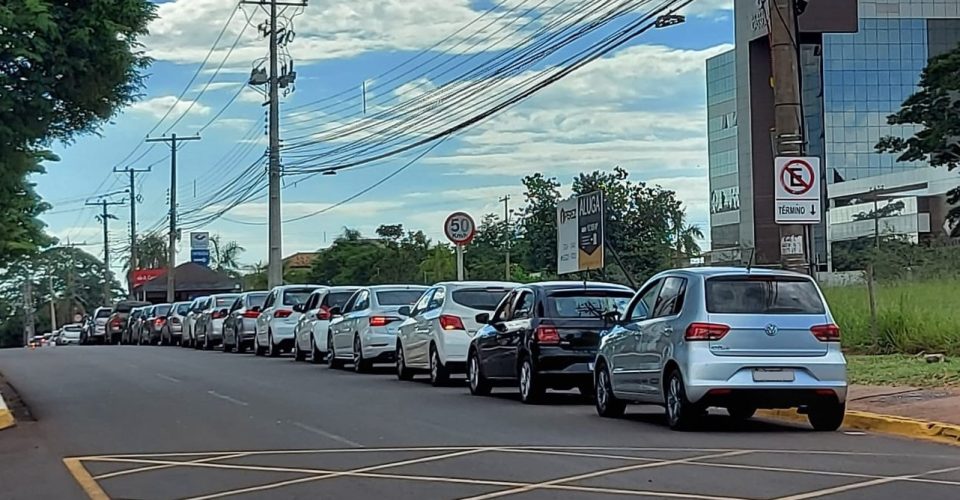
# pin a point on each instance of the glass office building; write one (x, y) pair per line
(722, 150)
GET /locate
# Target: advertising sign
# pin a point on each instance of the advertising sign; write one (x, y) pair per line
(141, 276)
(580, 233)
(200, 256)
(200, 240)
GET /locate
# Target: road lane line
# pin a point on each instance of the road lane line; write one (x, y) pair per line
(340, 474)
(228, 398)
(82, 476)
(284, 452)
(605, 472)
(167, 466)
(864, 484)
(328, 435)
(168, 378)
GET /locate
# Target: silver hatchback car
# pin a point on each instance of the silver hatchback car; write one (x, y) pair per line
(735, 338)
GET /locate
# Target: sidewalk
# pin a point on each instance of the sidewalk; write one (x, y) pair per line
(931, 405)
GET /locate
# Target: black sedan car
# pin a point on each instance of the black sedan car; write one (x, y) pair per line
(544, 336)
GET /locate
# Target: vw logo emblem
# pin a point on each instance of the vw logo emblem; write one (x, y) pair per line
(771, 330)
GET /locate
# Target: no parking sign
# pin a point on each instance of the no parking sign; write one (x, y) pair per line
(797, 190)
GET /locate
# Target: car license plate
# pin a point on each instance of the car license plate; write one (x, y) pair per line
(773, 375)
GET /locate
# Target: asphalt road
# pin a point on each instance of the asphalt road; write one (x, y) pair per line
(163, 422)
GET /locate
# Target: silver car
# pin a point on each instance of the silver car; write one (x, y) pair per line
(365, 331)
(189, 334)
(240, 326)
(740, 339)
(209, 326)
(311, 331)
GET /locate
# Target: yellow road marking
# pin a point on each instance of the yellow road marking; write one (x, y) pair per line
(85, 480)
(864, 484)
(604, 472)
(167, 466)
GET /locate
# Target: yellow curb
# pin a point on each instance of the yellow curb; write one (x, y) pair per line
(887, 424)
(6, 416)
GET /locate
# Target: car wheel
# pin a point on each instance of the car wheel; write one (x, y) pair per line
(681, 413)
(827, 417)
(332, 361)
(439, 375)
(241, 348)
(272, 350)
(298, 355)
(741, 412)
(257, 348)
(403, 373)
(479, 385)
(360, 365)
(227, 347)
(316, 357)
(531, 389)
(608, 405)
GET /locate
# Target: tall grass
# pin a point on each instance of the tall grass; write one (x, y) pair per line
(912, 317)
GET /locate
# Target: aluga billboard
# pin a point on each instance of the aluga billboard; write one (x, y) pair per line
(580, 233)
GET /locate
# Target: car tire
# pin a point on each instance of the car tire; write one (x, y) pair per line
(741, 412)
(531, 388)
(360, 365)
(479, 385)
(439, 375)
(332, 361)
(607, 403)
(826, 417)
(403, 373)
(298, 355)
(241, 348)
(258, 350)
(273, 350)
(316, 357)
(227, 347)
(681, 413)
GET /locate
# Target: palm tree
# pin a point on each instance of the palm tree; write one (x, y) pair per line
(686, 237)
(225, 256)
(151, 253)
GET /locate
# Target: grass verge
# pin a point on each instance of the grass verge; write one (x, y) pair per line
(900, 370)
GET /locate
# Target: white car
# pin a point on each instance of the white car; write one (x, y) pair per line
(189, 336)
(435, 337)
(209, 325)
(274, 329)
(365, 331)
(311, 329)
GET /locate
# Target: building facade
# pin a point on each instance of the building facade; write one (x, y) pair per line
(722, 150)
(856, 69)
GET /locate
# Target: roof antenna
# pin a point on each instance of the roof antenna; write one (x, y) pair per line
(753, 252)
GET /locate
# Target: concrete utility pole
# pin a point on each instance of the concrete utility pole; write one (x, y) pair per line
(104, 218)
(53, 307)
(506, 234)
(27, 312)
(172, 245)
(134, 264)
(277, 37)
(788, 112)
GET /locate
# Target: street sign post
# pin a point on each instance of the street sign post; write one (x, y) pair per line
(460, 230)
(797, 190)
(580, 233)
(200, 256)
(200, 240)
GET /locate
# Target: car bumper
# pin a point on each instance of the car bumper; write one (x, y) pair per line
(216, 329)
(710, 377)
(456, 346)
(558, 366)
(249, 327)
(380, 342)
(282, 330)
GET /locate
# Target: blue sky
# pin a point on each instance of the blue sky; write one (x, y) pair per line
(641, 107)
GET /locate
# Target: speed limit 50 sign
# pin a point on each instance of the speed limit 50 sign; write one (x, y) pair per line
(460, 228)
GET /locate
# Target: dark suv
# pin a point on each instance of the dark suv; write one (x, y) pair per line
(117, 322)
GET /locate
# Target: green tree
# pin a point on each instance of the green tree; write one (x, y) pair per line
(65, 68)
(538, 224)
(935, 111)
(686, 238)
(256, 277)
(439, 265)
(225, 255)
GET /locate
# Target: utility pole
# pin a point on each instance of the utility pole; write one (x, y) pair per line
(104, 218)
(277, 37)
(27, 312)
(134, 199)
(172, 245)
(788, 114)
(53, 307)
(506, 235)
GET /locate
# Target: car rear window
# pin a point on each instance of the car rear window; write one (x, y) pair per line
(103, 313)
(183, 309)
(399, 297)
(763, 295)
(294, 296)
(226, 300)
(256, 299)
(586, 303)
(336, 299)
(161, 310)
(484, 299)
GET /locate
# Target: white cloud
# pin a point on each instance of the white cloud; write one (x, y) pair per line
(233, 123)
(214, 86)
(157, 107)
(254, 212)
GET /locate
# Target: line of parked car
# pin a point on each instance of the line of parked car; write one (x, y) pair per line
(689, 339)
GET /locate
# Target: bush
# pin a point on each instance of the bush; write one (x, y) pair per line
(912, 317)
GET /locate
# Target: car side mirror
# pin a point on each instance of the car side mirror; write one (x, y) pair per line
(483, 318)
(404, 311)
(335, 311)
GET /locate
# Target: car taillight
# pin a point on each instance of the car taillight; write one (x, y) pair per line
(282, 313)
(217, 315)
(382, 320)
(251, 314)
(158, 322)
(706, 331)
(115, 322)
(323, 314)
(450, 322)
(826, 333)
(548, 335)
